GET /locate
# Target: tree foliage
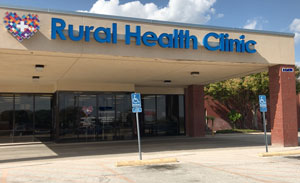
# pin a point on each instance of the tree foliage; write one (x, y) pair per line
(297, 73)
(241, 94)
(233, 117)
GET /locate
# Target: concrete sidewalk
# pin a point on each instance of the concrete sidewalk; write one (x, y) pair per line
(38, 151)
(224, 158)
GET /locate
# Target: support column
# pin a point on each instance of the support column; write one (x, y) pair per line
(194, 111)
(283, 110)
(298, 109)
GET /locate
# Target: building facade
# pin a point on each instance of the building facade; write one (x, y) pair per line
(67, 76)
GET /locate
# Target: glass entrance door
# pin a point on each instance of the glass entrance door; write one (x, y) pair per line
(87, 117)
(106, 115)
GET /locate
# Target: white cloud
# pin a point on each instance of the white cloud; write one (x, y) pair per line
(255, 23)
(295, 27)
(220, 15)
(191, 11)
(251, 24)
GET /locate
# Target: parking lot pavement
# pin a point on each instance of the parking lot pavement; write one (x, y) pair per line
(234, 164)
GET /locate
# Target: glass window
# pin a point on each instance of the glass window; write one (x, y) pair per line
(43, 117)
(172, 115)
(106, 115)
(23, 128)
(149, 126)
(6, 118)
(181, 115)
(67, 117)
(167, 114)
(163, 115)
(124, 117)
(161, 108)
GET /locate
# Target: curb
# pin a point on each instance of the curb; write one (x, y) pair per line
(284, 153)
(146, 162)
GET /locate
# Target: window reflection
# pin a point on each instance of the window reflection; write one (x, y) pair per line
(181, 115)
(67, 116)
(87, 117)
(6, 118)
(43, 117)
(23, 128)
(149, 126)
(106, 115)
(163, 115)
(124, 117)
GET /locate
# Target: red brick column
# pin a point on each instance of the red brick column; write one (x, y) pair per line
(283, 111)
(194, 111)
(298, 109)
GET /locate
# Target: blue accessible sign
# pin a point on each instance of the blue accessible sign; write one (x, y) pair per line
(136, 102)
(135, 110)
(262, 103)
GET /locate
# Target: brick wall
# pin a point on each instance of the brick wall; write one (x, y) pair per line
(298, 110)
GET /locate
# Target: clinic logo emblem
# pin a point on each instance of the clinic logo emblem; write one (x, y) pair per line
(87, 110)
(21, 27)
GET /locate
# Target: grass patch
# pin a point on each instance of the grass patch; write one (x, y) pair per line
(238, 131)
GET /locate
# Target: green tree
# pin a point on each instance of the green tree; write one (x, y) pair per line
(297, 73)
(241, 94)
(234, 117)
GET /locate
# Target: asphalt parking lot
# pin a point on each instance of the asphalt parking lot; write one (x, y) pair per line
(223, 158)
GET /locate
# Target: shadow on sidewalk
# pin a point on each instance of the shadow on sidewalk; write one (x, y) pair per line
(155, 144)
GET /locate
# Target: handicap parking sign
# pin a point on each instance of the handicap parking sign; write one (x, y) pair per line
(262, 103)
(135, 109)
(136, 102)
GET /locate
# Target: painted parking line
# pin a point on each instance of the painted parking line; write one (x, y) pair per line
(118, 175)
(4, 176)
(239, 174)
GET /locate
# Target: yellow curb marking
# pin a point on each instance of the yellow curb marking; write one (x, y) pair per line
(146, 162)
(284, 153)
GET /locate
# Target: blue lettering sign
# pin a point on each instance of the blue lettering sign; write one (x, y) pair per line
(136, 35)
(228, 45)
(58, 29)
(149, 38)
(101, 34)
(178, 39)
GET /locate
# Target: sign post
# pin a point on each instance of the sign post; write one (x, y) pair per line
(136, 108)
(263, 109)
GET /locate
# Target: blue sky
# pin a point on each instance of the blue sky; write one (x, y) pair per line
(272, 15)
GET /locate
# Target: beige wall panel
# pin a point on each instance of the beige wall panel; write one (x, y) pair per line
(159, 90)
(73, 86)
(271, 49)
(33, 88)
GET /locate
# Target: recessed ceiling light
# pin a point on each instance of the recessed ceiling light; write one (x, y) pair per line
(167, 81)
(195, 73)
(39, 67)
(35, 78)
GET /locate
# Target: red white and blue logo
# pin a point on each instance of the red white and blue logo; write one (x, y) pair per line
(21, 27)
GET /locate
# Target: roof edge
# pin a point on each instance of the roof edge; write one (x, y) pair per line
(191, 25)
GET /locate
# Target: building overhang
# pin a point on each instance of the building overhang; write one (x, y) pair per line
(94, 66)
